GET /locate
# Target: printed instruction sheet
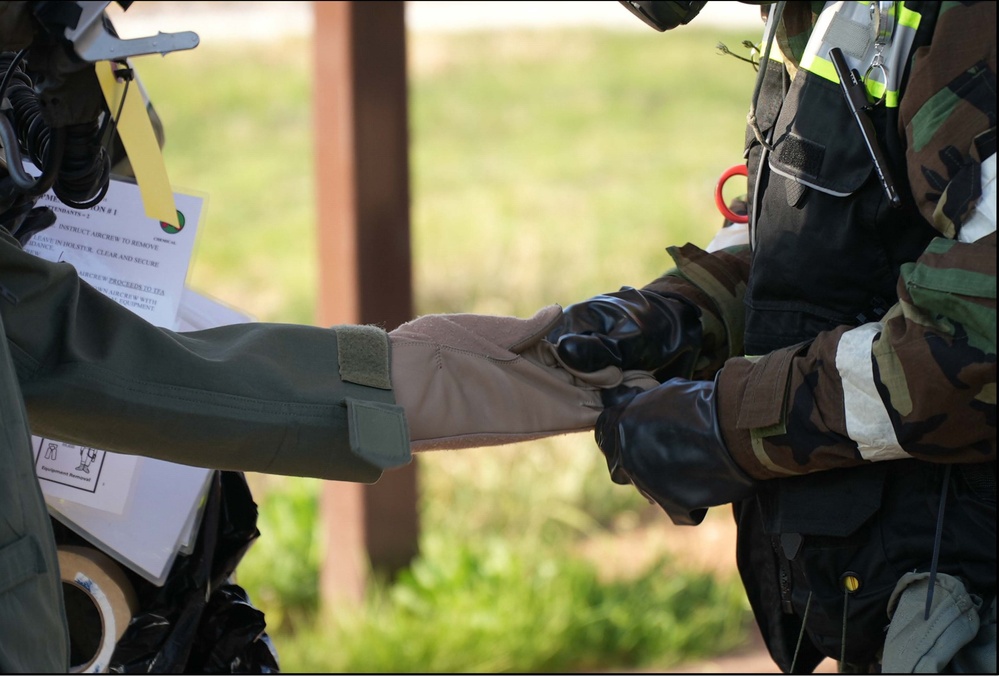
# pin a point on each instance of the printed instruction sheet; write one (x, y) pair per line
(163, 514)
(138, 262)
(127, 256)
(141, 511)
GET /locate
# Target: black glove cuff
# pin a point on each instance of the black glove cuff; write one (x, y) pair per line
(670, 446)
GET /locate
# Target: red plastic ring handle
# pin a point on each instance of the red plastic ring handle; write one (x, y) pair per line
(737, 170)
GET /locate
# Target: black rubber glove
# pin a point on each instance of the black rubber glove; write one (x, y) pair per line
(666, 442)
(633, 329)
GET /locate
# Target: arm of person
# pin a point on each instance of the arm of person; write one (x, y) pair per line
(918, 384)
(341, 403)
(921, 382)
(276, 398)
(683, 324)
(715, 282)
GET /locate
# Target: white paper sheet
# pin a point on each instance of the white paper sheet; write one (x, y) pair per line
(138, 262)
(83, 474)
(127, 256)
(148, 535)
(141, 511)
(163, 513)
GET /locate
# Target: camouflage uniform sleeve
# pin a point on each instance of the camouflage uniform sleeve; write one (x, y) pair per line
(716, 283)
(921, 382)
(948, 115)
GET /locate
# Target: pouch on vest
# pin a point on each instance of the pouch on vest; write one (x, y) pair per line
(821, 203)
(875, 522)
(822, 527)
(820, 145)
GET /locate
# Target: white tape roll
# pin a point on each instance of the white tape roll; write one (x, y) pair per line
(100, 602)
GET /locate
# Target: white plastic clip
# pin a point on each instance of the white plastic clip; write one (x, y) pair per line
(92, 41)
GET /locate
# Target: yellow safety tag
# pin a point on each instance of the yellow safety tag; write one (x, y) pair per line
(136, 132)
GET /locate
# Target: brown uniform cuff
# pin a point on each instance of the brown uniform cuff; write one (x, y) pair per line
(752, 405)
(731, 387)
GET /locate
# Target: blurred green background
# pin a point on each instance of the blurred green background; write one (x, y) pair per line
(547, 166)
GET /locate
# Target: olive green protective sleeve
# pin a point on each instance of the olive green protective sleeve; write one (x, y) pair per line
(34, 637)
(253, 397)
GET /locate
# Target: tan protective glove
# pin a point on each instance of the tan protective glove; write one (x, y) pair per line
(469, 380)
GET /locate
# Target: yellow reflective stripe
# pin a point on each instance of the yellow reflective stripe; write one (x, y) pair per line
(816, 64)
(906, 17)
(775, 53)
(824, 69)
(876, 89)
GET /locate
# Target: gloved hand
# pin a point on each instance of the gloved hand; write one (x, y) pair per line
(667, 443)
(632, 329)
(469, 380)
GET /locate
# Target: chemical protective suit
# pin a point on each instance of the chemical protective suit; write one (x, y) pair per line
(835, 379)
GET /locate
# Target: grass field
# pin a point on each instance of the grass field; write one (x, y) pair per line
(547, 166)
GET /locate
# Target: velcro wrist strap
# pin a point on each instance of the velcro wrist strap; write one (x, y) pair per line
(363, 355)
(378, 433)
(765, 397)
(763, 406)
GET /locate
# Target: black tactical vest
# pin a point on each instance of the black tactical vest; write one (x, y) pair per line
(827, 247)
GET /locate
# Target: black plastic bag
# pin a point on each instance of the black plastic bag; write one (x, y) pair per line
(199, 621)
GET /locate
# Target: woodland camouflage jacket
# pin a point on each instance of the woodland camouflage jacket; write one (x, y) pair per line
(927, 389)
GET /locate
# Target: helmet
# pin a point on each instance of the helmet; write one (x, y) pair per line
(663, 15)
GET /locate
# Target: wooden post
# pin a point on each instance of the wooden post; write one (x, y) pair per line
(362, 169)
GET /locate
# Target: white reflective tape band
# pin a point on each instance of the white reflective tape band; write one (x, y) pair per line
(736, 234)
(867, 421)
(983, 221)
